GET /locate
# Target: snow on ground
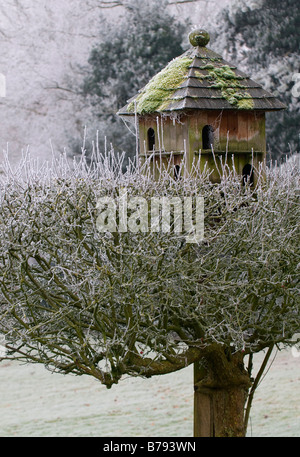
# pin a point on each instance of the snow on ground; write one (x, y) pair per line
(36, 403)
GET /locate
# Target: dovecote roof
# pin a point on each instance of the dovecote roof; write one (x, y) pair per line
(200, 79)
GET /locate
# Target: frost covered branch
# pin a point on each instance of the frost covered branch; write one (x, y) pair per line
(146, 303)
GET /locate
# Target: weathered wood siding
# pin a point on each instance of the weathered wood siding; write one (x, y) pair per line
(243, 130)
(169, 135)
(238, 132)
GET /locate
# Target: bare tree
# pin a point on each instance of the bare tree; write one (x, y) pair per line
(34, 63)
(145, 302)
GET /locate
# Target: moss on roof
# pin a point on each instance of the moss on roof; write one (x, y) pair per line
(225, 79)
(156, 94)
(219, 86)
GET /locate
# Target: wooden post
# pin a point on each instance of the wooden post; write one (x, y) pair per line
(220, 392)
(203, 410)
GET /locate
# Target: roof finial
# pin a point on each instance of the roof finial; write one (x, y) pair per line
(199, 37)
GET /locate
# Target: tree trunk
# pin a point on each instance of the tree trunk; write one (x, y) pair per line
(221, 387)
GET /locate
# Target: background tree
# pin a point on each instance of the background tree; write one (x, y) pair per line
(44, 50)
(262, 37)
(124, 61)
(148, 303)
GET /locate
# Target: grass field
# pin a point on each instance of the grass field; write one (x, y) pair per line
(36, 403)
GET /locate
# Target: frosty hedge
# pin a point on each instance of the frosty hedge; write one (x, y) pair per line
(144, 304)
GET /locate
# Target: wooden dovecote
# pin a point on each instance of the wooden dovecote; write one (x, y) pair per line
(199, 105)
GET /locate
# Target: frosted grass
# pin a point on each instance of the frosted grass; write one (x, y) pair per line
(36, 403)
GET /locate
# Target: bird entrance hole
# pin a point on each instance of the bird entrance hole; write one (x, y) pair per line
(207, 137)
(176, 172)
(248, 174)
(151, 139)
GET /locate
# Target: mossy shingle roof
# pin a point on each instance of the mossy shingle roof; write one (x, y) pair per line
(200, 79)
